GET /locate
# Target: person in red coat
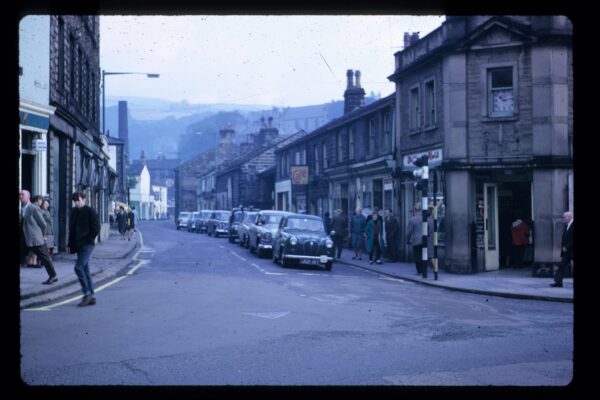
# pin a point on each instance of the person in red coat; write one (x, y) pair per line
(520, 240)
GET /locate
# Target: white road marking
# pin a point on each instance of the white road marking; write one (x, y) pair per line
(268, 315)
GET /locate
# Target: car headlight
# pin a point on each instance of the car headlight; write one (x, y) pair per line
(328, 244)
(293, 240)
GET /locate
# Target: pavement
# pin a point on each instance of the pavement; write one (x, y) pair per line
(112, 257)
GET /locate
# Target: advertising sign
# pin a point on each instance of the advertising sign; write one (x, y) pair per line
(300, 175)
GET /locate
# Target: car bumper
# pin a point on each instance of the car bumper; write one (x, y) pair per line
(321, 259)
(219, 230)
(265, 246)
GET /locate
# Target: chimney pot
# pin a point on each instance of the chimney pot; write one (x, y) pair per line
(350, 74)
(357, 77)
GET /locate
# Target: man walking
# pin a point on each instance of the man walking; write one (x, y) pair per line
(566, 249)
(84, 228)
(339, 230)
(34, 227)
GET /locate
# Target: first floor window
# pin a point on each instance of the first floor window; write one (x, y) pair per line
(501, 92)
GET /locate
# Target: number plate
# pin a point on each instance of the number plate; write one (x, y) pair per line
(310, 262)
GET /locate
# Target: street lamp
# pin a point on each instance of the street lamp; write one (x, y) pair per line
(104, 73)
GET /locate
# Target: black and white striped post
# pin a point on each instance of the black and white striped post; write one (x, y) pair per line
(435, 227)
(422, 172)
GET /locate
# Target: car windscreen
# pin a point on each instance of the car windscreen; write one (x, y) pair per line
(222, 216)
(270, 219)
(184, 214)
(237, 217)
(305, 224)
(205, 214)
(249, 218)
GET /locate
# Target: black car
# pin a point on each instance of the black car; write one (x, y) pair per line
(302, 239)
(218, 223)
(202, 220)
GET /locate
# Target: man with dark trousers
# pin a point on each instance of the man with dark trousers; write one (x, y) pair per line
(84, 228)
(391, 235)
(566, 249)
(414, 237)
(339, 230)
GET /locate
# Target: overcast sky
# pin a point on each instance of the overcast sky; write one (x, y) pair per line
(269, 60)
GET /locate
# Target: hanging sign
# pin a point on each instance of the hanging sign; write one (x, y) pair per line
(39, 145)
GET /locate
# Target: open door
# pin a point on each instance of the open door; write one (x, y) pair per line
(490, 218)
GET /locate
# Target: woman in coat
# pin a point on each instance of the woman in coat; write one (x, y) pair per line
(122, 222)
(357, 233)
(49, 233)
(374, 230)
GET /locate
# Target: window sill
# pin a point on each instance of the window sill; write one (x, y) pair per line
(500, 119)
(430, 128)
(414, 132)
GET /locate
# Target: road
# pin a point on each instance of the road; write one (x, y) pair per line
(203, 311)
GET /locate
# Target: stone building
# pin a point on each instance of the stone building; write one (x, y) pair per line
(74, 155)
(344, 164)
(489, 98)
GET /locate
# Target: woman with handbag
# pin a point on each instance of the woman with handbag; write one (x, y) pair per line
(49, 233)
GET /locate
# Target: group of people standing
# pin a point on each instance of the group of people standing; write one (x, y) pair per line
(37, 238)
(377, 232)
(126, 222)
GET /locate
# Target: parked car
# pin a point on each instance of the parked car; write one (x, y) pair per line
(302, 239)
(182, 219)
(261, 232)
(218, 223)
(191, 226)
(199, 223)
(237, 215)
(244, 226)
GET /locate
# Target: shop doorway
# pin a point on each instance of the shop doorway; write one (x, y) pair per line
(514, 201)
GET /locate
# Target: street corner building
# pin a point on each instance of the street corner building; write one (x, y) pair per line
(490, 101)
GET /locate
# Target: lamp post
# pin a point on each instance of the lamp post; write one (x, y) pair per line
(104, 73)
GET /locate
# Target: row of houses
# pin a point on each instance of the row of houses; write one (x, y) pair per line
(489, 100)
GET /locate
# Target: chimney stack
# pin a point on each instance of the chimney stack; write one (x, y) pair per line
(350, 74)
(406, 39)
(415, 37)
(357, 79)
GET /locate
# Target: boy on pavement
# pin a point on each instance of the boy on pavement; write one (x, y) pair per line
(84, 228)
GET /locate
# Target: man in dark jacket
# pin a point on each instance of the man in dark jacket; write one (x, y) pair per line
(566, 249)
(84, 228)
(391, 235)
(339, 230)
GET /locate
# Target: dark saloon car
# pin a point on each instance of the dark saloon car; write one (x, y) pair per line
(182, 219)
(302, 239)
(191, 225)
(218, 223)
(244, 226)
(202, 220)
(260, 234)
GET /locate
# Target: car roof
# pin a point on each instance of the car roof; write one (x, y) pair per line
(275, 212)
(307, 216)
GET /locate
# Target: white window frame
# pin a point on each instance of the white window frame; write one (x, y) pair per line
(414, 111)
(430, 104)
(490, 91)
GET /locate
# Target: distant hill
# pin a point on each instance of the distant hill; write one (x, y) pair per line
(182, 130)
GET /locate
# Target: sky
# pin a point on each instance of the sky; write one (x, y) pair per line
(262, 60)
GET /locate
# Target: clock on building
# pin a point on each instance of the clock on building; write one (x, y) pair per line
(169, 182)
(502, 101)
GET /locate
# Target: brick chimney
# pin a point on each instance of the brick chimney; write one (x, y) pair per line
(354, 96)
(409, 38)
(226, 146)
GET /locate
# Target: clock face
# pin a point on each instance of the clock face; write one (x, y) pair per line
(503, 101)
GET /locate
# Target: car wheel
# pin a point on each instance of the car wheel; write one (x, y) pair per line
(274, 257)
(282, 259)
(328, 266)
(177, 228)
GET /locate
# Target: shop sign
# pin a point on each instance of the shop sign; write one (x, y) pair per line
(300, 175)
(39, 145)
(435, 159)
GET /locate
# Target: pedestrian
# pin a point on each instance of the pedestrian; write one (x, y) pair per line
(327, 222)
(122, 224)
(414, 236)
(131, 217)
(135, 218)
(566, 249)
(34, 227)
(27, 258)
(339, 230)
(430, 232)
(392, 231)
(49, 233)
(373, 232)
(84, 228)
(520, 239)
(357, 232)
